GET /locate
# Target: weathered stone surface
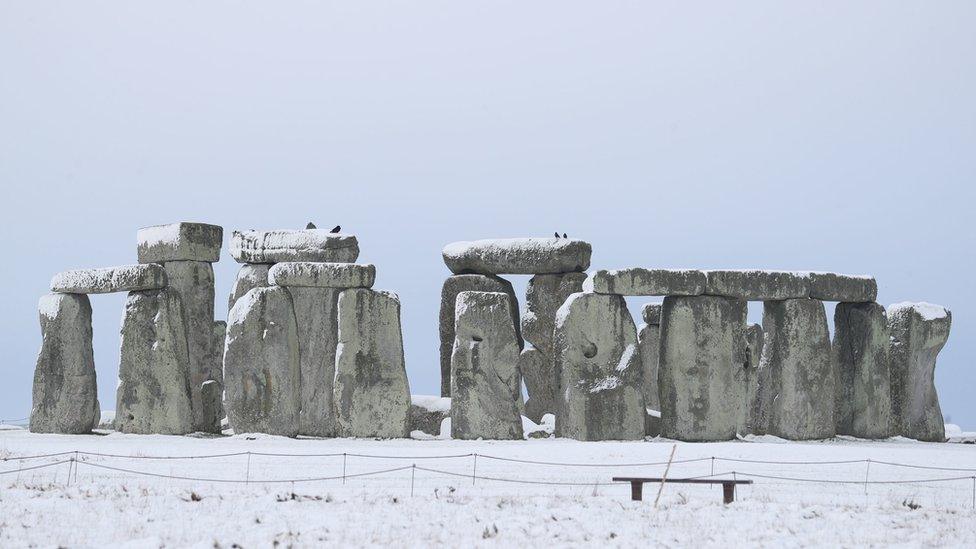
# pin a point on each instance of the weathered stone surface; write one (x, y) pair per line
(649, 342)
(862, 405)
(918, 333)
(843, 288)
(702, 352)
(544, 294)
(798, 388)
(262, 379)
(154, 368)
(288, 245)
(539, 375)
(518, 256)
(651, 313)
(751, 412)
(322, 275)
(125, 278)
(454, 285)
(180, 242)
(427, 412)
(213, 411)
(214, 401)
(485, 381)
(372, 395)
(646, 282)
(193, 281)
(598, 366)
(755, 285)
(317, 313)
(250, 276)
(65, 398)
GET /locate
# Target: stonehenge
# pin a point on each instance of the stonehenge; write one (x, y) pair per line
(310, 348)
(485, 381)
(862, 403)
(919, 331)
(598, 370)
(372, 395)
(65, 394)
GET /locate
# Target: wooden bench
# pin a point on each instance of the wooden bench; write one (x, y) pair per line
(637, 485)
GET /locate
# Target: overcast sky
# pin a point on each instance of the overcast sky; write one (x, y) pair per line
(832, 136)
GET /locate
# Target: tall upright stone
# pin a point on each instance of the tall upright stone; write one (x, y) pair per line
(213, 390)
(750, 421)
(262, 377)
(649, 342)
(798, 395)
(544, 294)
(702, 355)
(862, 404)
(485, 382)
(371, 392)
(918, 333)
(314, 289)
(153, 396)
(193, 281)
(65, 396)
(186, 251)
(599, 371)
(454, 285)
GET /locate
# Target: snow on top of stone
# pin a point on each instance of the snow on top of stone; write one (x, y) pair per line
(159, 234)
(928, 311)
(49, 305)
(431, 403)
(863, 277)
(508, 244)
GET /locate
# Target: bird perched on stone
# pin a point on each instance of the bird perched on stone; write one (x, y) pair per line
(564, 235)
(310, 225)
(336, 229)
(556, 234)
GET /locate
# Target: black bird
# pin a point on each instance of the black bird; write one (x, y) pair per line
(310, 225)
(557, 235)
(564, 235)
(336, 229)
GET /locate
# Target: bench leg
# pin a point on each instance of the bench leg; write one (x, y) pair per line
(728, 492)
(636, 491)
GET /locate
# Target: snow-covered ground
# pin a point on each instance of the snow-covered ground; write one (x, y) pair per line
(104, 500)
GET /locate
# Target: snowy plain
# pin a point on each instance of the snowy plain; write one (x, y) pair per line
(253, 491)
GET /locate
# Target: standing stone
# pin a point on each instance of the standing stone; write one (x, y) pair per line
(862, 405)
(449, 292)
(261, 364)
(702, 354)
(372, 395)
(193, 281)
(518, 256)
(213, 397)
(250, 276)
(65, 396)
(798, 389)
(537, 371)
(751, 422)
(317, 313)
(485, 383)
(154, 369)
(649, 342)
(599, 371)
(544, 294)
(918, 333)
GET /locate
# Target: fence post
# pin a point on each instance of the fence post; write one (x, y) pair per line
(866, 473)
(974, 492)
(413, 472)
(343, 467)
(76, 466)
(247, 472)
(712, 473)
(474, 470)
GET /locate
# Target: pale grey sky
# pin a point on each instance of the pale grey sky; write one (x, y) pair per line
(832, 136)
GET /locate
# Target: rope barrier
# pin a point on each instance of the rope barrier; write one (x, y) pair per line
(35, 467)
(566, 464)
(241, 481)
